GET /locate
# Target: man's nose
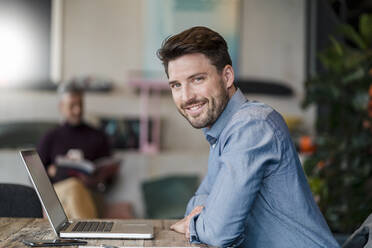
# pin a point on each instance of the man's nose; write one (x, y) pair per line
(187, 93)
(77, 110)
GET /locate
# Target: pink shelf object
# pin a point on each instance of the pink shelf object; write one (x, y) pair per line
(149, 90)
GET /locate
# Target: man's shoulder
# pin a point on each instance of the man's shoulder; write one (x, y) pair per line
(54, 131)
(257, 113)
(98, 135)
(93, 129)
(253, 110)
(50, 136)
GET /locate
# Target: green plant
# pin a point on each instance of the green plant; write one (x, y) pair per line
(340, 170)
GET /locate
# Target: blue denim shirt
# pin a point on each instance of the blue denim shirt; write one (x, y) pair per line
(255, 193)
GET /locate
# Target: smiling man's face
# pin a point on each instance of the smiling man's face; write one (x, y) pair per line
(199, 91)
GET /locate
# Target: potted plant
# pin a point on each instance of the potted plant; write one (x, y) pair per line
(340, 170)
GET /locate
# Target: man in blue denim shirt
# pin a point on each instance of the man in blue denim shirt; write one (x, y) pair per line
(255, 193)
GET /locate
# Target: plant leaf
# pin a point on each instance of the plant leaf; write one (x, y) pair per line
(337, 46)
(355, 75)
(365, 27)
(331, 59)
(354, 58)
(353, 36)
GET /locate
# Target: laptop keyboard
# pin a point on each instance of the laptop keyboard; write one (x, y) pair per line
(93, 226)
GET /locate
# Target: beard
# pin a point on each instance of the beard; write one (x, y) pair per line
(215, 106)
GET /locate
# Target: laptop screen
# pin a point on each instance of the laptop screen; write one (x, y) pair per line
(44, 188)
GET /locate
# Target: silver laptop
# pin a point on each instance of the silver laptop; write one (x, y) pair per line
(65, 228)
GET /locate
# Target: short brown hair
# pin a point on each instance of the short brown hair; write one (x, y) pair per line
(196, 40)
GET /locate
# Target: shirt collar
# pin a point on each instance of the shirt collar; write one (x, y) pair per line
(231, 108)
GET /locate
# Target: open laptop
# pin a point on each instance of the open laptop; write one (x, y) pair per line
(65, 228)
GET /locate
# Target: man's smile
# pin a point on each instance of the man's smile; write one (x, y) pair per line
(195, 109)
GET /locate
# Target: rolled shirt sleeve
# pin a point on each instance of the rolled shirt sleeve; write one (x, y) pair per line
(196, 200)
(245, 153)
(200, 196)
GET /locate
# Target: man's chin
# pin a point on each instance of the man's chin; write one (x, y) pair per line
(197, 123)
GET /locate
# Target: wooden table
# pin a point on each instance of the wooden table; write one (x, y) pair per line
(14, 230)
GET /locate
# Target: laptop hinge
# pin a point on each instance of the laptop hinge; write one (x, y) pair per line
(64, 226)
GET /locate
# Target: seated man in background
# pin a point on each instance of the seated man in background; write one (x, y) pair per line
(74, 138)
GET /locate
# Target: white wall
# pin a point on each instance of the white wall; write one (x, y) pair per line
(105, 37)
(101, 38)
(273, 47)
(273, 40)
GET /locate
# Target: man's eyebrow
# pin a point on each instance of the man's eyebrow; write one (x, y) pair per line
(172, 82)
(197, 74)
(189, 77)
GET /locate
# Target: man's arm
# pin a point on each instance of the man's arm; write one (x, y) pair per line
(200, 196)
(101, 177)
(106, 173)
(247, 151)
(44, 149)
(194, 207)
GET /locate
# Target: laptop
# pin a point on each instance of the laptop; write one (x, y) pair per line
(64, 228)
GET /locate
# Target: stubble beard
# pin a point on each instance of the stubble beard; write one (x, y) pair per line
(214, 109)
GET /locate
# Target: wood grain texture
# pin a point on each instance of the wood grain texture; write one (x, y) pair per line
(14, 230)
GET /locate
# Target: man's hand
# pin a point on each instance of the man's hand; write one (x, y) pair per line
(88, 180)
(52, 170)
(183, 225)
(107, 172)
(102, 176)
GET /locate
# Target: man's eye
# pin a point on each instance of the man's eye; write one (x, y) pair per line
(198, 79)
(175, 85)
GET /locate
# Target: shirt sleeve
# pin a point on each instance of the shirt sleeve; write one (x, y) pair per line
(249, 147)
(199, 198)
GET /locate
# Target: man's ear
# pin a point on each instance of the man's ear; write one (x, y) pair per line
(228, 76)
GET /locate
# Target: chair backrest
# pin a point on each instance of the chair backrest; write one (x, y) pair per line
(23, 133)
(362, 237)
(19, 201)
(167, 197)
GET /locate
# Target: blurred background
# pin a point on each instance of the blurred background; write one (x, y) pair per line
(110, 47)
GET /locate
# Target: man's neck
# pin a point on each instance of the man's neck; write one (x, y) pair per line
(69, 124)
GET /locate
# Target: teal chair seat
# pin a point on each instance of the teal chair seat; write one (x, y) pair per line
(167, 197)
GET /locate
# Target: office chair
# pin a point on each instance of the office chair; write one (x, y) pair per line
(16, 134)
(167, 197)
(362, 237)
(19, 201)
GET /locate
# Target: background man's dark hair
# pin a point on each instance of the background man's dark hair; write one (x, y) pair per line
(70, 87)
(196, 40)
